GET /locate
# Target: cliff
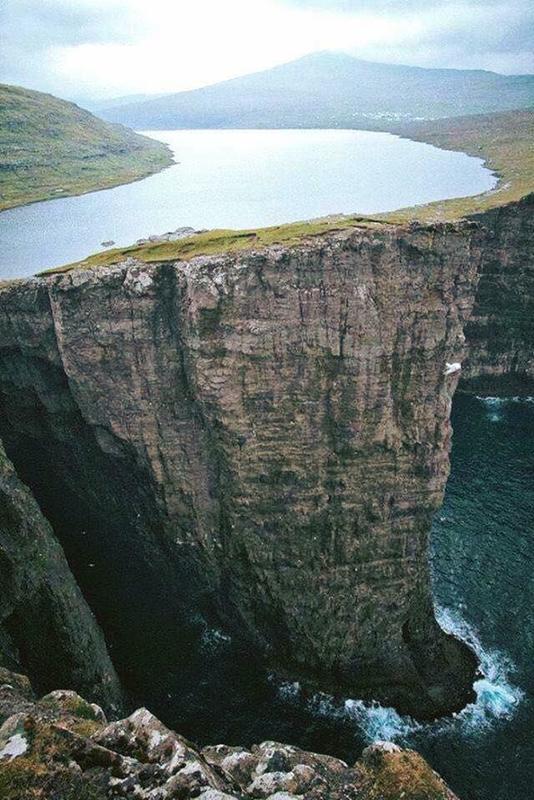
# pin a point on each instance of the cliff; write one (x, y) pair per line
(500, 330)
(61, 746)
(45, 623)
(258, 441)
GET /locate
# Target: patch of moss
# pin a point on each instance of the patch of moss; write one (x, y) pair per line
(74, 705)
(44, 771)
(403, 774)
(218, 241)
(28, 779)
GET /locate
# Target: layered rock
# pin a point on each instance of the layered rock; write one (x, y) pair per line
(500, 331)
(259, 441)
(264, 437)
(45, 623)
(63, 746)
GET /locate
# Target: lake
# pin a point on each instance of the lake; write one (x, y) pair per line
(240, 179)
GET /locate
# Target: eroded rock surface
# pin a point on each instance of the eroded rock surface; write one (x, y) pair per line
(45, 623)
(63, 746)
(500, 331)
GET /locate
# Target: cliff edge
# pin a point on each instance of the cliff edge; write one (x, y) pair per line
(260, 439)
(63, 746)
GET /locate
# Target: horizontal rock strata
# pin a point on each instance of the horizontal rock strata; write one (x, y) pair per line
(260, 440)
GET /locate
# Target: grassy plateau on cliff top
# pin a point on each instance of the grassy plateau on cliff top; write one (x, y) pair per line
(503, 140)
(52, 148)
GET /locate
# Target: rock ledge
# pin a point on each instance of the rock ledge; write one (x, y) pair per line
(63, 747)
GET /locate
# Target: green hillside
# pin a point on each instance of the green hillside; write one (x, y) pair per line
(330, 90)
(52, 148)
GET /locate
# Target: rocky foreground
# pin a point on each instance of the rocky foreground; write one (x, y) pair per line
(61, 747)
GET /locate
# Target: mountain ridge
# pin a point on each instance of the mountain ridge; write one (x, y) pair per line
(329, 89)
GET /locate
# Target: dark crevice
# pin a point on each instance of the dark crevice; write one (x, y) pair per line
(103, 509)
(170, 656)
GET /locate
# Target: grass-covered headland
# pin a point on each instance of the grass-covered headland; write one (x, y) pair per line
(52, 148)
(504, 141)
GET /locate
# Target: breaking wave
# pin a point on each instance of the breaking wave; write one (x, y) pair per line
(496, 699)
(495, 406)
(495, 401)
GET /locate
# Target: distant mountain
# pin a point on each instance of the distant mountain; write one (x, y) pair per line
(330, 90)
(52, 148)
(97, 106)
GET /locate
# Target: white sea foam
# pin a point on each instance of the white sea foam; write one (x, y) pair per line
(496, 698)
(495, 406)
(213, 639)
(379, 722)
(289, 690)
(491, 401)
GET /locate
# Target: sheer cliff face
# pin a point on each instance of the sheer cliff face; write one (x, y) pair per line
(259, 439)
(45, 623)
(500, 332)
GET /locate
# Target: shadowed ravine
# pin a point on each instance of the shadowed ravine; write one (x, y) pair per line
(253, 446)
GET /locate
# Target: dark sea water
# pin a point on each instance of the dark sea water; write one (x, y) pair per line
(483, 567)
(483, 560)
(240, 179)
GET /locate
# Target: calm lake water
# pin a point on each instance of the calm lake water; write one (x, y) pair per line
(240, 179)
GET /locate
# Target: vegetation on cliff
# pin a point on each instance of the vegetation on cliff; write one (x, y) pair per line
(251, 403)
(52, 148)
(504, 141)
(63, 747)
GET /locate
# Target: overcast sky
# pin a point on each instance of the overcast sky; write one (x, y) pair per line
(105, 48)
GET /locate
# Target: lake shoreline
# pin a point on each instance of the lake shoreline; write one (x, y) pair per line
(234, 179)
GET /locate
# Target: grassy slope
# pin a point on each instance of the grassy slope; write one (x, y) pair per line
(51, 148)
(503, 140)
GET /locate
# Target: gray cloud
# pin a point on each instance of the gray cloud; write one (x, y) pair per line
(42, 23)
(496, 26)
(485, 34)
(30, 29)
(400, 6)
(489, 34)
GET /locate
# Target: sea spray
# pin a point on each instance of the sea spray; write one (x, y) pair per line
(496, 699)
(379, 723)
(490, 400)
(496, 406)
(496, 696)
